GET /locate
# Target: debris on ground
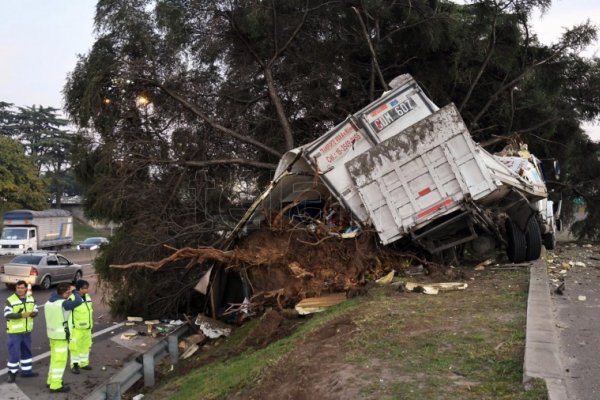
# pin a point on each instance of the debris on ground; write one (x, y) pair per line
(317, 304)
(128, 335)
(212, 328)
(198, 339)
(434, 288)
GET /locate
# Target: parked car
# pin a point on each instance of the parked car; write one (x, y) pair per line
(92, 243)
(40, 269)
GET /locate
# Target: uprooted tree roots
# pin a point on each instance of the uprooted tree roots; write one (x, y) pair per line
(283, 267)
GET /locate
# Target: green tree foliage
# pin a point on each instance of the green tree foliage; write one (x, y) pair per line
(20, 185)
(182, 101)
(46, 141)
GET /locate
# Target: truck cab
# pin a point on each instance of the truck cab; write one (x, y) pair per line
(18, 239)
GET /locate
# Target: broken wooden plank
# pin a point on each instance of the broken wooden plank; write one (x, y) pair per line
(187, 342)
(317, 304)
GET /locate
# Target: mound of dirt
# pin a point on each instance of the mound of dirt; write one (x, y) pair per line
(296, 264)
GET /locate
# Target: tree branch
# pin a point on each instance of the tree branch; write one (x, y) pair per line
(240, 161)
(215, 125)
(490, 51)
(372, 50)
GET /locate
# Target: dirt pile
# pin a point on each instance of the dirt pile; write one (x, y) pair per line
(293, 265)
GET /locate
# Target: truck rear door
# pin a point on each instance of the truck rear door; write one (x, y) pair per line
(413, 178)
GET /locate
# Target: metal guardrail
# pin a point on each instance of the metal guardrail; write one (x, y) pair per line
(142, 367)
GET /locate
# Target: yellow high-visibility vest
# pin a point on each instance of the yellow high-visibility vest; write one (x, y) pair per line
(20, 325)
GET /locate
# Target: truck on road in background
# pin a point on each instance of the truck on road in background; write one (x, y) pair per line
(28, 230)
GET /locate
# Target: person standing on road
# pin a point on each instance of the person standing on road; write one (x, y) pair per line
(81, 324)
(19, 311)
(58, 311)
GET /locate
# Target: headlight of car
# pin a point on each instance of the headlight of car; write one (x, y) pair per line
(78, 247)
(21, 246)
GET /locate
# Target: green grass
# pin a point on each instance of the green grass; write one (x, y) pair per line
(462, 345)
(81, 231)
(227, 376)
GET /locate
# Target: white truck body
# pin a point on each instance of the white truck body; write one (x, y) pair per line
(27, 230)
(412, 170)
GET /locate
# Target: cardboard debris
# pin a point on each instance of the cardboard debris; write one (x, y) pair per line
(481, 266)
(135, 319)
(435, 288)
(387, 279)
(191, 340)
(581, 298)
(190, 350)
(317, 304)
(202, 285)
(128, 335)
(580, 264)
(212, 328)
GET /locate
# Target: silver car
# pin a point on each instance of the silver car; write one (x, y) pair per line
(40, 269)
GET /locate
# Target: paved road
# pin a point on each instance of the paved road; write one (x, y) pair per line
(40, 342)
(578, 319)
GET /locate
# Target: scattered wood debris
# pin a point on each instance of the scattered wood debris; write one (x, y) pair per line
(318, 304)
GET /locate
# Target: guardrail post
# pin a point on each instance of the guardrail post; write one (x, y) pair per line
(113, 391)
(173, 349)
(148, 365)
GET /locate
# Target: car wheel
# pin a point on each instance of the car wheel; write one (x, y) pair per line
(45, 284)
(77, 277)
(516, 243)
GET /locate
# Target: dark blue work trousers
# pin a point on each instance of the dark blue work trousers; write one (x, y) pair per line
(19, 353)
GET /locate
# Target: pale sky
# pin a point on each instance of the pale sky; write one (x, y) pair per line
(40, 40)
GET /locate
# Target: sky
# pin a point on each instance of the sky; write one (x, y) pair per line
(40, 41)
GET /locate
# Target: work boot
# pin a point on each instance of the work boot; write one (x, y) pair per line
(29, 374)
(87, 367)
(75, 369)
(12, 377)
(62, 389)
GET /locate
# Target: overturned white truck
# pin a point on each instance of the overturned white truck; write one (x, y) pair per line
(412, 171)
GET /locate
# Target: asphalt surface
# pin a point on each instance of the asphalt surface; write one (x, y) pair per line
(39, 339)
(106, 357)
(577, 317)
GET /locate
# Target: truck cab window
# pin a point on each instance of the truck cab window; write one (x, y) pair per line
(32, 233)
(14, 234)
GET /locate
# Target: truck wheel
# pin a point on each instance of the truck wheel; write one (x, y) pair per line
(45, 284)
(534, 240)
(549, 241)
(517, 244)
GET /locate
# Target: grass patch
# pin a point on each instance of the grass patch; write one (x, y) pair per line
(82, 231)
(220, 378)
(463, 345)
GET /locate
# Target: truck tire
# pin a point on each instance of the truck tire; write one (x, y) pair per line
(549, 241)
(516, 248)
(534, 240)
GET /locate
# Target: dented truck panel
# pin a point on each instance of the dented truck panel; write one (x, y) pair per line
(380, 120)
(427, 171)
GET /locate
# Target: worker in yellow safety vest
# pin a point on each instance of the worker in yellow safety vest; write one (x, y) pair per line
(58, 311)
(80, 325)
(19, 311)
